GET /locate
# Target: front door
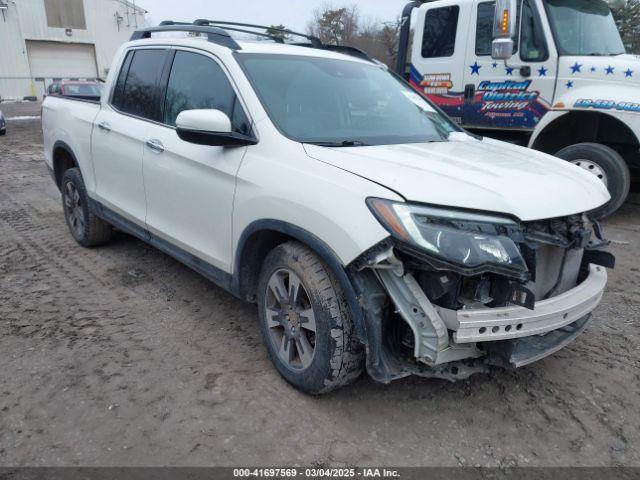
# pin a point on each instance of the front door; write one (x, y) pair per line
(515, 94)
(190, 187)
(119, 133)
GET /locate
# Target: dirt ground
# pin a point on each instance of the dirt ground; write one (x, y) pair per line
(122, 356)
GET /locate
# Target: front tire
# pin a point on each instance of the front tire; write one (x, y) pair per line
(86, 228)
(305, 321)
(608, 166)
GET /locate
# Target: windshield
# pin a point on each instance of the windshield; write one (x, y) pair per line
(341, 103)
(584, 27)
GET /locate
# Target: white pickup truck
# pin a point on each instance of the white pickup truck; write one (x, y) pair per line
(369, 229)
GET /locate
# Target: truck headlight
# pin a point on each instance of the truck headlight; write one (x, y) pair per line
(468, 240)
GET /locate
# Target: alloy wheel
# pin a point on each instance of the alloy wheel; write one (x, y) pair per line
(74, 209)
(291, 321)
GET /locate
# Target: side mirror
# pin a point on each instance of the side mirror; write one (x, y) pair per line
(504, 29)
(209, 127)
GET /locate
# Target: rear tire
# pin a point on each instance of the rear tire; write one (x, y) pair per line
(305, 321)
(608, 166)
(86, 228)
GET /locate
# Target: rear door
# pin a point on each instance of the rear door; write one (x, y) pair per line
(190, 187)
(438, 54)
(514, 95)
(120, 130)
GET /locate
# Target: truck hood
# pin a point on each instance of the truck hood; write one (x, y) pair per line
(620, 69)
(483, 175)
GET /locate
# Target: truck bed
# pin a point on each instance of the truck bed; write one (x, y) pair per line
(69, 122)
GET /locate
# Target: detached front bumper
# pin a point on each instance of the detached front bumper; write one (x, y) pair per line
(506, 323)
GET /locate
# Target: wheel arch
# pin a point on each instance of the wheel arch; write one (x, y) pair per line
(261, 236)
(63, 159)
(588, 127)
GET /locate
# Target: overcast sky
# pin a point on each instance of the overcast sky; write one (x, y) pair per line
(293, 13)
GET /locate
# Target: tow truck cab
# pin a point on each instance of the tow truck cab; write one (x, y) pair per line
(567, 87)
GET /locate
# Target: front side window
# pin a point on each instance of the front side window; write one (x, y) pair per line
(484, 28)
(198, 82)
(137, 95)
(340, 102)
(533, 47)
(440, 27)
(584, 27)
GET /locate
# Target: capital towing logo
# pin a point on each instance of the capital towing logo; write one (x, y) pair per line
(507, 95)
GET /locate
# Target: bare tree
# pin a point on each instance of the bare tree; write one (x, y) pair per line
(344, 26)
(338, 26)
(367, 39)
(388, 36)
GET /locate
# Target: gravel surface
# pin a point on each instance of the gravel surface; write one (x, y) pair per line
(122, 356)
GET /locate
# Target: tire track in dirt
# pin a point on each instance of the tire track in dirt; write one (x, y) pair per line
(68, 266)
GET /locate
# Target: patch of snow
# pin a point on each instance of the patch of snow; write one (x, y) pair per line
(24, 117)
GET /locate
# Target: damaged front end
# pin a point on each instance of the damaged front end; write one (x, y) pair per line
(452, 293)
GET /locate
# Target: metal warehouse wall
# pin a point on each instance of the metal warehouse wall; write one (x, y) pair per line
(109, 23)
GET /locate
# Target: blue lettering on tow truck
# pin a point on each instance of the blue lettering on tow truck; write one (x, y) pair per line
(608, 105)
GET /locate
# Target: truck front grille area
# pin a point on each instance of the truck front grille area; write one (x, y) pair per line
(554, 251)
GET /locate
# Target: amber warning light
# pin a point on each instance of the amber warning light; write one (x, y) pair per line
(504, 25)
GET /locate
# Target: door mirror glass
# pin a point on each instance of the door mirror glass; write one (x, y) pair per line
(504, 29)
(209, 127)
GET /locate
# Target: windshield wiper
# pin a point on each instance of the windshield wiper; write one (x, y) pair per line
(344, 143)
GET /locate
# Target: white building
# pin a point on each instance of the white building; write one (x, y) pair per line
(43, 40)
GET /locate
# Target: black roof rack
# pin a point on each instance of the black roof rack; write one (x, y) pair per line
(315, 41)
(347, 50)
(218, 32)
(214, 34)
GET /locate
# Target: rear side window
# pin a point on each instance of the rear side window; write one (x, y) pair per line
(484, 28)
(198, 82)
(440, 26)
(136, 93)
(122, 76)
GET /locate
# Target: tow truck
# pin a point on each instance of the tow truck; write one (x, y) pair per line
(552, 75)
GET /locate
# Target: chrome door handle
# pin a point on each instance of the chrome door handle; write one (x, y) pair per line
(104, 126)
(155, 145)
